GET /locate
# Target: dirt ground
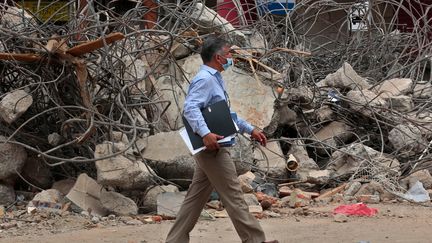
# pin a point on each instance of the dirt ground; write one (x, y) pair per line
(394, 223)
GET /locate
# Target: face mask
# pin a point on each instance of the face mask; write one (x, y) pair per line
(228, 64)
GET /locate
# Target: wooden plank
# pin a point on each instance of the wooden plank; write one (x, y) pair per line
(331, 192)
(94, 45)
(20, 57)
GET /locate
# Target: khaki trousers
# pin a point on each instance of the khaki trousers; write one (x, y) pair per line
(215, 169)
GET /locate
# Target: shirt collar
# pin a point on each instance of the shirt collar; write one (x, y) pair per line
(211, 70)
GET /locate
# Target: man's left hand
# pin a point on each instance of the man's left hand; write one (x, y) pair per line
(259, 136)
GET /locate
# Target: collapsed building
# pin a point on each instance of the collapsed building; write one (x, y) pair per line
(91, 107)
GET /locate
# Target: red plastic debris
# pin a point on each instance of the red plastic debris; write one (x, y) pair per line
(358, 209)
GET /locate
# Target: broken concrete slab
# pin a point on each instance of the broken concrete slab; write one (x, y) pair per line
(365, 101)
(7, 194)
(12, 158)
(149, 200)
(407, 139)
(320, 177)
(209, 22)
(346, 78)
(349, 159)
(119, 170)
(271, 160)
(402, 103)
(14, 104)
(86, 195)
(169, 203)
(175, 164)
(181, 50)
(374, 188)
(394, 87)
(352, 188)
(117, 204)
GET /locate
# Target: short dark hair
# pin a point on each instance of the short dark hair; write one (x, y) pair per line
(211, 46)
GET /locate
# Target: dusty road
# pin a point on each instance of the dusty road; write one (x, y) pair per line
(395, 223)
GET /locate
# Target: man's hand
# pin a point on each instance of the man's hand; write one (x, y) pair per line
(210, 141)
(259, 136)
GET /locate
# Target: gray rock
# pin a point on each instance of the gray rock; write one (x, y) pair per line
(340, 218)
(7, 195)
(169, 203)
(394, 87)
(12, 158)
(118, 204)
(149, 200)
(119, 170)
(346, 78)
(407, 139)
(14, 104)
(246, 180)
(401, 103)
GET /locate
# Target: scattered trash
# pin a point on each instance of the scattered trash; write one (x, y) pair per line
(417, 193)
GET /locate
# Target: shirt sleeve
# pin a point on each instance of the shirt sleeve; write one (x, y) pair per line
(244, 126)
(197, 98)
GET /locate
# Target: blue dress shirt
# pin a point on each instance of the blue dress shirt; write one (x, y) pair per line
(207, 88)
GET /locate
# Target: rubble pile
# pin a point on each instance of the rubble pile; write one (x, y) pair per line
(90, 112)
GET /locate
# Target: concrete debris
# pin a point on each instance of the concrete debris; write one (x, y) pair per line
(12, 158)
(14, 104)
(55, 139)
(423, 176)
(169, 203)
(333, 134)
(422, 90)
(117, 204)
(119, 170)
(209, 21)
(246, 180)
(346, 78)
(251, 199)
(177, 164)
(365, 102)
(340, 218)
(255, 209)
(407, 139)
(149, 200)
(325, 113)
(374, 188)
(306, 164)
(394, 87)
(320, 177)
(351, 158)
(50, 196)
(86, 195)
(401, 103)
(373, 199)
(352, 188)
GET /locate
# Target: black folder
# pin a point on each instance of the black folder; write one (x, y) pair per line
(218, 119)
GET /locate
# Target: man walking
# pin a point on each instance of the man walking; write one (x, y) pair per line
(214, 166)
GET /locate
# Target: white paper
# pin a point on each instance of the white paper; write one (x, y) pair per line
(184, 135)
